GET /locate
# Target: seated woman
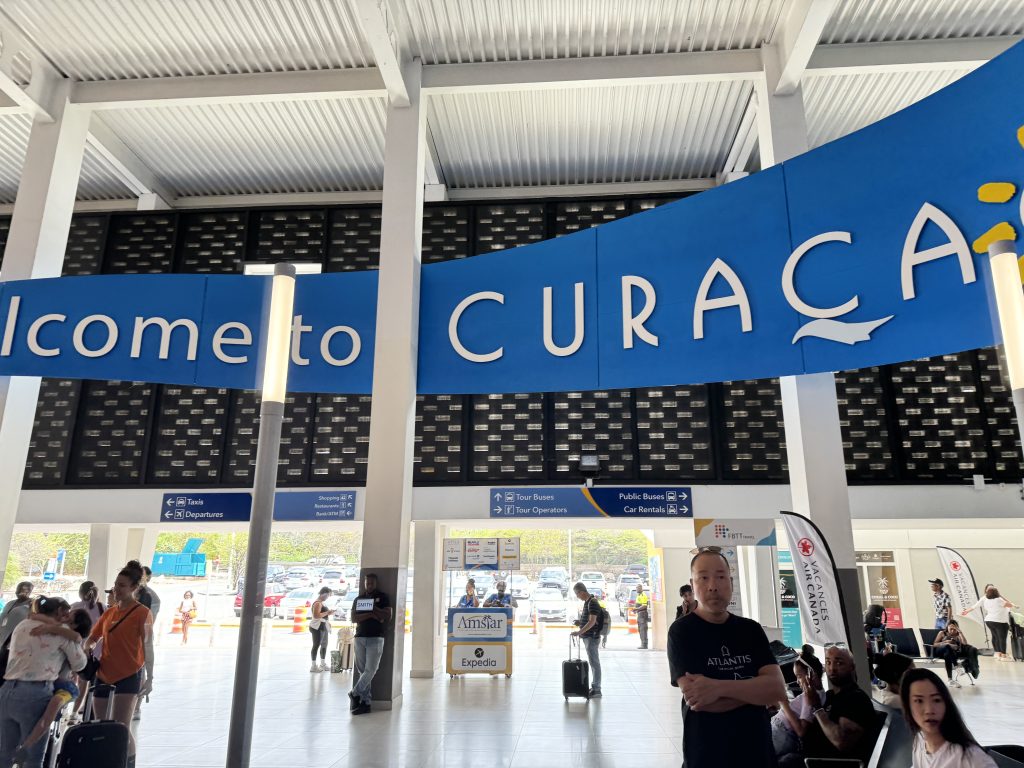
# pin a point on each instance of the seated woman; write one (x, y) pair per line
(790, 723)
(950, 645)
(940, 736)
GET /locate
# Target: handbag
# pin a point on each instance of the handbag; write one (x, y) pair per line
(92, 664)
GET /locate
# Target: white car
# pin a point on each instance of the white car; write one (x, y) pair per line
(334, 580)
(304, 598)
(626, 582)
(595, 583)
(520, 587)
(548, 605)
(296, 578)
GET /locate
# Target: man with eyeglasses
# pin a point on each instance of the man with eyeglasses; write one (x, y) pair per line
(844, 719)
(727, 674)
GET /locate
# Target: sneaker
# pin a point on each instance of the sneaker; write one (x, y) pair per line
(593, 694)
(353, 700)
(314, 668)
(362, 709)
(323, 667)
(953, 683)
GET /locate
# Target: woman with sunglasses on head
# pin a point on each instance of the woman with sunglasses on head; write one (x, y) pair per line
(126, 662)
(941, 738)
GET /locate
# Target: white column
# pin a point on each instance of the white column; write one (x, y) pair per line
(35, 248)
(675, 544)
(426, 598)
(814, 441)
(108, 547)
(388, 509)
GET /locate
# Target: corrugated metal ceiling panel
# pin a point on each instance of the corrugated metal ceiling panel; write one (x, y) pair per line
(118, 39)
(455, 31)
(263, 148)
(586, 135)
(840, 104)
(872, 21)
(97, 182)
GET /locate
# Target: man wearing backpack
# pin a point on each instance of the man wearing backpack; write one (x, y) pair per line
(591, 624)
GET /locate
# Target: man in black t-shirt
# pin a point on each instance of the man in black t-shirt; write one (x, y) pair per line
(371, 613)
(591, 623)
(727, 674)
(844, 721)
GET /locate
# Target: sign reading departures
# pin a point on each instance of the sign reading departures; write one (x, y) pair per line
(866, 251)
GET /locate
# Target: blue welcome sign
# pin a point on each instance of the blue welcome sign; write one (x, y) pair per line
(866, 251)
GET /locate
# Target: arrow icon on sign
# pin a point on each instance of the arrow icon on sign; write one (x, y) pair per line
(682, 496)
(684, 509)
(170, 502)
(497, 496)
(497, 510)
(168, 515)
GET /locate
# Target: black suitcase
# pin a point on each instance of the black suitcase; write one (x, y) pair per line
(101, 744)
(575, 674)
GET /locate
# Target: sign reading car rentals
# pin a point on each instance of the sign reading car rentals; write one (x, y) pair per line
(865, 251)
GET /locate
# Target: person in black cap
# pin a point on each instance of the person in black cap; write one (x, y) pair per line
(943, 605)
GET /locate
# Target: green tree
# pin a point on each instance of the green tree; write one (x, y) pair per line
(12, 575)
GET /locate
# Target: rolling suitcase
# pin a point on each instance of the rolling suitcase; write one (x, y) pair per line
(575, 674)
(102, 744)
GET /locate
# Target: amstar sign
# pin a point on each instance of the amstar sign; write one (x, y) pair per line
(866, 251)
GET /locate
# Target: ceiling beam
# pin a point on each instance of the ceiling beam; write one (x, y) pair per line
(215, 89)
(375, 19)
(744, 142)
(907, 56)
(488, 77)
(20, 58)
(135, 174)
(583, 190)
(796, 39)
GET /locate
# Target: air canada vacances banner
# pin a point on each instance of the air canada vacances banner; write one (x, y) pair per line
(866, 251)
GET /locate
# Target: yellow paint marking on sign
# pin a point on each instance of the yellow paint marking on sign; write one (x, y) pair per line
(1020, 135)
(996, 192)
(1001, 231)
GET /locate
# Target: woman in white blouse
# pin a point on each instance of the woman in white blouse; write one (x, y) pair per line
(36, 661)
(997, 618)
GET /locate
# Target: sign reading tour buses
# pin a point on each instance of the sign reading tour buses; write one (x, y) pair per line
(479, 641)
(868, 250)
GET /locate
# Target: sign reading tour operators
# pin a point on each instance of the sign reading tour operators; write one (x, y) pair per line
(869, 250)
(599, 501)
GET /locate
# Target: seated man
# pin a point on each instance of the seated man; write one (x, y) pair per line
(501, 598)
(844, 721)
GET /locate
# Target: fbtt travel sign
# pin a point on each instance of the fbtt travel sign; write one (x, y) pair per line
(866, 251)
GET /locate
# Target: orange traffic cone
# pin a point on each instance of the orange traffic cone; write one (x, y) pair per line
(300, 619)
(633, 630)
(176, 626)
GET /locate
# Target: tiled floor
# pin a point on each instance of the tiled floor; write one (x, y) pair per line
(478, 722)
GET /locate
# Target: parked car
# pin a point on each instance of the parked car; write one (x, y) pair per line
(595, 583)
(484, 584)
(626, 582)
(548, 605)
(297, 598)
(554, 577)
(335, 580)
(345, 601)
(300, 577)
(276, 573)
(271, 601)
(638, 569)
(520, 587)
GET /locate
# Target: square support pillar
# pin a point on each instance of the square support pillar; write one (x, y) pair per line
(35, 248)
(388, 510)
(426, 597)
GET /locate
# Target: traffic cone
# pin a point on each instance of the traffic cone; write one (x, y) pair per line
(633, 630)
(176, 626)
(300, 619)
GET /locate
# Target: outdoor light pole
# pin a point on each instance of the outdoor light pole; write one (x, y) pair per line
(275, 384)
(1006, 284)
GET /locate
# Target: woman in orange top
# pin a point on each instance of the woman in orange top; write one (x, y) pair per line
(126, 662)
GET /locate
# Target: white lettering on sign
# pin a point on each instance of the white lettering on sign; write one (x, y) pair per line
(297, 330)
(634, 324)
(33, 335)
(78, 337)
(577, 339)
(789, 272)
(325, 346)
(738, 298)
(166, 328)
(221, 338)
(453, 327)
(956, 245)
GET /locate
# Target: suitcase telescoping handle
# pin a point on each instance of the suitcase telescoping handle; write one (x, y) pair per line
(574, 642)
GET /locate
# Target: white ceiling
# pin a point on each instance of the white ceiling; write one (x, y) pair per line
(564, 135)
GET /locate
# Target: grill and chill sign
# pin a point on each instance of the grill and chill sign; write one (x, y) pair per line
(866, 251)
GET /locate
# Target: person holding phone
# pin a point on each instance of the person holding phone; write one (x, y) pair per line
(320, 628)
(371, 613)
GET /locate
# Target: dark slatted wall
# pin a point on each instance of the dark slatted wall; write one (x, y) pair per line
(938, 420)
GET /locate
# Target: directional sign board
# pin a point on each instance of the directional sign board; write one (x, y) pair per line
(603, 501)
(315, 506)
(205, 508)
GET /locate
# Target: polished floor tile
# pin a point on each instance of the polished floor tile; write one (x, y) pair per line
(302, 719)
